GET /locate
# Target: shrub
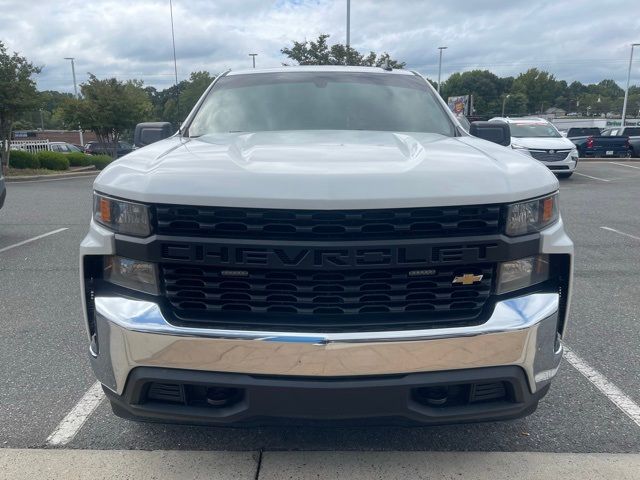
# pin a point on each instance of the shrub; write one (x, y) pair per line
(101, 161)
(53, 160)
(79, 159)
(22, 159)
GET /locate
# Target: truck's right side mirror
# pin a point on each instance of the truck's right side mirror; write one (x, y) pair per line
(150, 132)
(496, 132)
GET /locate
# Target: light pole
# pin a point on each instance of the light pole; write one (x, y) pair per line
(175, 64)
(253, 57)
(440, 67)
(346, 57)
(504, 102)
(626, 91)
(75, 90)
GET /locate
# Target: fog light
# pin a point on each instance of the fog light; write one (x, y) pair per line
(134, 274)
(522, 273)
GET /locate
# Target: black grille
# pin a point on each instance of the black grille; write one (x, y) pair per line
(325, 299)
(327, 225)
(547, 156)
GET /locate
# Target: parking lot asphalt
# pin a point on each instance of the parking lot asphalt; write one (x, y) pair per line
(44, 369)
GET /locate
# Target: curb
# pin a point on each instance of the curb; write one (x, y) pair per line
(58, 176)
(608, 159)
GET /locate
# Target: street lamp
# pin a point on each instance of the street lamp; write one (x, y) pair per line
(504, 102)
(440, 66)
(253, 57)
(626, 91)
(75, 90)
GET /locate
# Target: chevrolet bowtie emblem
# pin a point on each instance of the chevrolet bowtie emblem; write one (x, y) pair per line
(467, 279)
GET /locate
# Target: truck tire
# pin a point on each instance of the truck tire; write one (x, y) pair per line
(564, 175)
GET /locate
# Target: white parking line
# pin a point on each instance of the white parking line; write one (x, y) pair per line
(589, 176)
(620, 233)
(33, 239)
(76, 418)
(625, 165)
(613, 393)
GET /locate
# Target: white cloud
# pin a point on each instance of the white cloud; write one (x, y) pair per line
(585, 41)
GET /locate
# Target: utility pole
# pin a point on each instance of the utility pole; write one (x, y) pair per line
(253, 57)
(440, 67)
(346, 57)
(626, 91)
(75, 91)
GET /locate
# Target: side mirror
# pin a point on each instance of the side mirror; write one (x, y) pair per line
(150, 132)
(496, 132)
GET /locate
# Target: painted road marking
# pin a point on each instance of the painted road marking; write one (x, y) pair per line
(613, 393)
(609, 229)
(589, 176)
(625, 165)
(33, 239)
(76, 418)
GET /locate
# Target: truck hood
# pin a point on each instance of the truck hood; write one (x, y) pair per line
(543, 143)
(325, 170)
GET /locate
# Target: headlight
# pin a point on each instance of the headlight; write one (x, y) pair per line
(521, 149)
(522, 273)
(122, 216)
(141, 276)
(531, 216)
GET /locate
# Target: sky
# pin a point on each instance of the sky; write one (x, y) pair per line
(585, 40)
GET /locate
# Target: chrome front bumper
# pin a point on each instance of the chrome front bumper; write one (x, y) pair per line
(133, 333)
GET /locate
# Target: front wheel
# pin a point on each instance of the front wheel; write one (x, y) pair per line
(564, 175)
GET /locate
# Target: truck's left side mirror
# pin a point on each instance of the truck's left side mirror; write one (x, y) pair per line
(150, 132)
(496, 132)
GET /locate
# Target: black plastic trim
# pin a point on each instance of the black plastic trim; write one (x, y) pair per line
(380, 399)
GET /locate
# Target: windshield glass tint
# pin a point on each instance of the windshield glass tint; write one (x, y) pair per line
(533, 130)
(320, 101)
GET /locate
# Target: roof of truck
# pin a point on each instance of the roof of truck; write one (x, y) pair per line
(322, 68)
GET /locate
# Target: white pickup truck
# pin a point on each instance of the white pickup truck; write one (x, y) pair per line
(325, 244)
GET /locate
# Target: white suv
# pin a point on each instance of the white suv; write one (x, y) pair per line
(539, 139)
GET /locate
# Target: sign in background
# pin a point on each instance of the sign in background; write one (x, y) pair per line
(461, 105)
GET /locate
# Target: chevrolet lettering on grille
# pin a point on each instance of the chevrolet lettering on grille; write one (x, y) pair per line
(334, 258)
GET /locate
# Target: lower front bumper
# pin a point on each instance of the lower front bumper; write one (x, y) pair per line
(482, 394)
(564, 166)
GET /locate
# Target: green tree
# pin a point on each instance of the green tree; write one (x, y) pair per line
(540, 87)
(487, 90)
(109, 108)
(197, 84)
(17, 95)
(164, 102)
(320, 53)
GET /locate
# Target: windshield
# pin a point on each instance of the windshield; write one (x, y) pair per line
(321, 101)
(520, 130)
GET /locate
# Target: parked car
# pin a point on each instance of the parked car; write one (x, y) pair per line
(98, 148)
(633, 133)
(64, 147)
(538, 138)
(590, 142)
(338, 257)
